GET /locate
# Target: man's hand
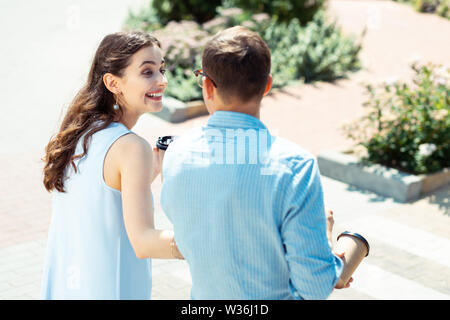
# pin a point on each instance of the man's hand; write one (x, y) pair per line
(341, 255)
(330, 224)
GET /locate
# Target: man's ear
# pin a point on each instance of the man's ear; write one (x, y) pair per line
(111, 83)
(268, 85)
(209, 88)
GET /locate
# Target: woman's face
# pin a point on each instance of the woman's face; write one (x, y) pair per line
(143, 82)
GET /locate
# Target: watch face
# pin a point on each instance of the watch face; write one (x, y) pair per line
(163, 142)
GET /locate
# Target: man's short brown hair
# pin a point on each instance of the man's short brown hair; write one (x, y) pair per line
(238, 61)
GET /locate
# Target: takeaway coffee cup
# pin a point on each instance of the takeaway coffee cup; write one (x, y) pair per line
(355, 248)
(163, 142)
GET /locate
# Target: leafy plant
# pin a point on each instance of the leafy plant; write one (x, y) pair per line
(281, 10)
(407, 126)
(229, 17)
(182, 83)
(145, 19)
(177, 10)
(317, 51)
(441, 7)
(444, 9)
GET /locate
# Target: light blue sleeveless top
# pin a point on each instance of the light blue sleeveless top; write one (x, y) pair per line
(89, 255)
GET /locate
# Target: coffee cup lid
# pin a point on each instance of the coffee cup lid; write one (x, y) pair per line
(163, 142)
(356, 235)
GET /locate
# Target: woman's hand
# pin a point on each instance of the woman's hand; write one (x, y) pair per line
(175, 251)
(138, 212)
(158, 156)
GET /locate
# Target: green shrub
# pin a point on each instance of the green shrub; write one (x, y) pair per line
(145, 19)
(202, 11)
(426, 5)
(183, 84)
(407, 126)
(317, 51)
(177, 10)
(229, 17)
(441, 7)
(444, 9)
(281, 10)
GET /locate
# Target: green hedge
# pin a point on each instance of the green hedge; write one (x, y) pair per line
(317, 51)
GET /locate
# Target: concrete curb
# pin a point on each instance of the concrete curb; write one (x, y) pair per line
(176, 111)
(382, 180)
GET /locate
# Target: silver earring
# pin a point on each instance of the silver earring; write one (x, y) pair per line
(116, 107)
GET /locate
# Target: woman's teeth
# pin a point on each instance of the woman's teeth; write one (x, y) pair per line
(154, 95)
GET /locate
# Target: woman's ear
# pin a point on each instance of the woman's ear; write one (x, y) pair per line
(111, 83)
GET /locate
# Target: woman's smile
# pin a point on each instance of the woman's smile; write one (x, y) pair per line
(155, 96)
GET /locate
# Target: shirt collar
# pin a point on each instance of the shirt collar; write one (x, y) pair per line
(231, 119)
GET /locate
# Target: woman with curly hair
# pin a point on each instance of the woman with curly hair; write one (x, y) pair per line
(102, 232)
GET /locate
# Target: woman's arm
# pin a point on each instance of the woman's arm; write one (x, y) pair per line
(136, 172)
(158, 157)
(157, 163)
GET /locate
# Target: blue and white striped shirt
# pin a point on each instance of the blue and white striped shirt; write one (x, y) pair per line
(248, 213)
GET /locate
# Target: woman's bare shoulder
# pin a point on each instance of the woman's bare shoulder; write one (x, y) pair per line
(133, 141)
(131, 149)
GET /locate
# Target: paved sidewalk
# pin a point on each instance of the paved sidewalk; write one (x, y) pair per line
(410, 243)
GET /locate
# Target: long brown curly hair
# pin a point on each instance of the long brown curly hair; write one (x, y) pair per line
(92, 103)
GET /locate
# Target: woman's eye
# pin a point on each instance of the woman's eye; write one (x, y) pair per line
(163, 71)
(148, 72)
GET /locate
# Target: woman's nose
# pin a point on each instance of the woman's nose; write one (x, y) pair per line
(162, 80)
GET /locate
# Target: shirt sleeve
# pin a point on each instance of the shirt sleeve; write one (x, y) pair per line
(314, 269)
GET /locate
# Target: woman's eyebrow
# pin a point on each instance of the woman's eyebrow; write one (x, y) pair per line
(151, 62)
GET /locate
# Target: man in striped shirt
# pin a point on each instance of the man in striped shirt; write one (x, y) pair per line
(246, 206)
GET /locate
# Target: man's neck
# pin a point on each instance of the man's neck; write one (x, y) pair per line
(250, 109)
